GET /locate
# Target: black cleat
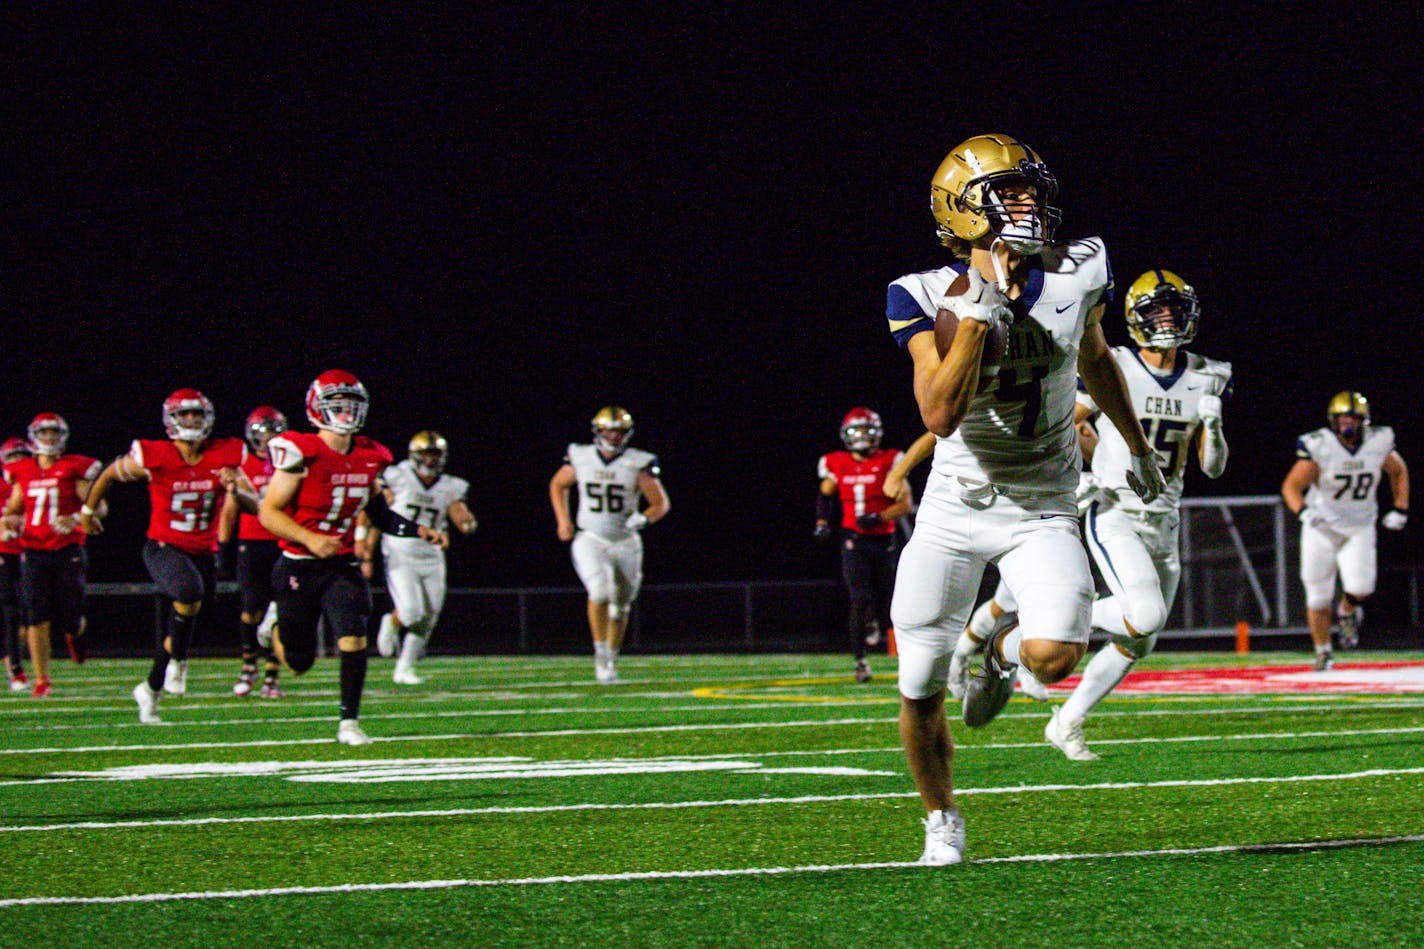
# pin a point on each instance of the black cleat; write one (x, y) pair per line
(990, 688)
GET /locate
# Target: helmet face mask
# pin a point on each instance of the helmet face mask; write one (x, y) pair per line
(1161, 311)
(48, 434)
(995, 185)
(188, 416)
(1349, 416)
(428, 453)
(862, 430)
(337, 402)
(612, 428)
(263, 424)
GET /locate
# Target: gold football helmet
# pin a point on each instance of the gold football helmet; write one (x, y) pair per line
(1345, 406)
(612, 427)
(967, 206)
(428, 452)
(1161, 310)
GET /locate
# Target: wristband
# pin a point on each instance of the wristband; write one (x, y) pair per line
(362, 532)
(86, 511)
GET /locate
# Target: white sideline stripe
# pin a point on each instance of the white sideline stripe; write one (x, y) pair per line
(700, 874)
(731, 802)
(997, 746)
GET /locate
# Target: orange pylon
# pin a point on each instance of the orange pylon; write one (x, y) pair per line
(890, 642)
(1243, 638)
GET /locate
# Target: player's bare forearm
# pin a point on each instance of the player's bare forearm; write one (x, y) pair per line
(945, 388)
(1297, 482)
(1398, 473)
(658, 503)
(1104, 382)
(921, 449)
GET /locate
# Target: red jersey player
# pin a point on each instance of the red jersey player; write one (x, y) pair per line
(320, 482)
(185, 490)
(43, 508)
(867, 520)
(13, 450)
(256, 554)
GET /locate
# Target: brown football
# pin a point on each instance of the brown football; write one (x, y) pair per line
(946, 323)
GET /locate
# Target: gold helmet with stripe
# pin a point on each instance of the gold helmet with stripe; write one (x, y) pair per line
(612, 427)
(428, 453)
(967, 205)
(1348, 413)
(1161, 310)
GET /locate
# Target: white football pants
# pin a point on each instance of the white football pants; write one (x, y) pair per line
(416, 582)
(1323, 551)
(611, 571)
(1039, 552)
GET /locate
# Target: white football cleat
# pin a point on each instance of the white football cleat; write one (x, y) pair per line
(388, 637)
(1067, 737)
(1030, 686)
(175, 677)
(349, 733)
(605, 674)
(245, 680)
(405, 676)
(264, 628)
(944, 839)
(147, 700)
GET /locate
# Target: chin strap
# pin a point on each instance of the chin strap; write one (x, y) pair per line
(999, 276)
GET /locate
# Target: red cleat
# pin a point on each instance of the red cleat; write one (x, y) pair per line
(77, 652)
(19, 682)
(42, 689)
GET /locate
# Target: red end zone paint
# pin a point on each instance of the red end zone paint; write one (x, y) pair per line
(1373, 677)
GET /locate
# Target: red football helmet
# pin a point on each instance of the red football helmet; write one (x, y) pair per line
(48, 434)
(180, 403)
(14, 449)
(337, 402)
(861, 430)
(262, 423)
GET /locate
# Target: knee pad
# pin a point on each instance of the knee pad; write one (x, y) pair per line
(1138, 647)
(1146, 614)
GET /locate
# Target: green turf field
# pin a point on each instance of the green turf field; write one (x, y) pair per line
(706, 801)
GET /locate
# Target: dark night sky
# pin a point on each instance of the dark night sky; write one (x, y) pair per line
(501, 224)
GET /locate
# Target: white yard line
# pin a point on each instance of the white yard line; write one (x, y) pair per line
(696, 874)
(732, 802)
(630, 730)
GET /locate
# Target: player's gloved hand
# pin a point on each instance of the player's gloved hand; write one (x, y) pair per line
(1209, 410)
(1090, 489)
(868, 522)
(1395, 520)
(1145, 476)
(636, 521)
(983, 302)
(1313, 518)
(822, 531)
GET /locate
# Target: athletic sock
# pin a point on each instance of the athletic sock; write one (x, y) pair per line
(180, 634)
(353, 682)
(1105, 670)
(411, 651)
(156, 671)
(1009, 645)
(249, 640)
(982, 622)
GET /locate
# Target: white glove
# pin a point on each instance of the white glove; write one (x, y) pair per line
(1209, 411)
(1313, 518)
(982, 302)
(1090, 489)
(1145, 476)
(1395, 520)
(636, 521)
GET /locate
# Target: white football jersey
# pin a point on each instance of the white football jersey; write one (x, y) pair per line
(1018, 432)
(1167, 404)
(608, 488)
(1346, 492)
(428, 505)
